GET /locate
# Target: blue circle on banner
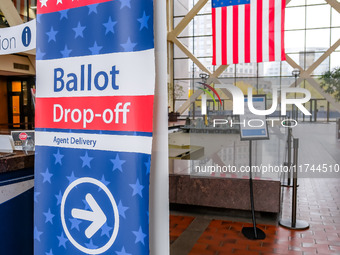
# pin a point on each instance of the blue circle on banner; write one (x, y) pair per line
(26, 36)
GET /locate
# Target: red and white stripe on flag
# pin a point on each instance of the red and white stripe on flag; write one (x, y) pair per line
(248, 33)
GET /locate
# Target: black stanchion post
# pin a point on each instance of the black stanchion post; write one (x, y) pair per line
(252, 233)
(293, 223)
(289, 159)
(289, 155)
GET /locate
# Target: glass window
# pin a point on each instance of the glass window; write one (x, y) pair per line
(207, 62)
(187, 30)
(296, 3)
(295, 18)
(286, 69)
(245, 83)
(226, 80)
(296, 57)
(323, 67)
(182, 88)
(294, 41)
(16, 105)
(178, 53)
(244, 70)
(182, 68)
(181, 7)
(270, 68)
(178, 104)
(24, 90)
(200, 22)
(318, 39)
(335, 18)
(201, 44)
(16, 86)
(310, 57)
(287, 81)
(310, 2)
(206, 8)
(335, 36)
(335, 60)
(229, 71)
(318, 16)
(265, 85)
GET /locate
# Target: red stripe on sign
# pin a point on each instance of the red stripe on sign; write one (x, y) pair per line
(213, 12)
(235, 34)
(47, 6)
(247, 33)
(224, 35)
(283, 54)
(259, 31)
(271, 30)
(113, 113)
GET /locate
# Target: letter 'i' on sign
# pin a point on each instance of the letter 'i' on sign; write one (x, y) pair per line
(95, 93)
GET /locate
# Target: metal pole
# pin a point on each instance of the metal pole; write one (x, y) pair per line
(254, 232)
(327, 111)
(28, 10)
(251, 189)
(315, 110)
(289, 145)
(295, 166)
(293, 223)
(311, 110)
(293, 106)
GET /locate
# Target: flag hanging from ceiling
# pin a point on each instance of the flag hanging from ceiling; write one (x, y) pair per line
(248, 31)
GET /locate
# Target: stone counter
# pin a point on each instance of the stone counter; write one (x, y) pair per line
(16, 161)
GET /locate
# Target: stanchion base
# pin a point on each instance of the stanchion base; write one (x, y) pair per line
(285, 184)
(299, 225)
(288, 186)
(248, 232)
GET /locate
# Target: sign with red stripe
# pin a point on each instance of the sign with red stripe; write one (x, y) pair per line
(248, 31)
(94, 116)
(118, 113)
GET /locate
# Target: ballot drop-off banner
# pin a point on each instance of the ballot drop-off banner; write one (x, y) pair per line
(95, 89)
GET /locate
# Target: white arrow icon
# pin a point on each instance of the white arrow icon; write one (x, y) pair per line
(97, 216)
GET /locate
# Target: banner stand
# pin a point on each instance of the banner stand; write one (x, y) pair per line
(252, 233)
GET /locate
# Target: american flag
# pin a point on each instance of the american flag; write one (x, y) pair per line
(103, 53)
(248, 31)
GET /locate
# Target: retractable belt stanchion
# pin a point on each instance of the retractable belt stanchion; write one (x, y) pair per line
(252, 233)
(289, 160)
(293, 223)
(289, 155)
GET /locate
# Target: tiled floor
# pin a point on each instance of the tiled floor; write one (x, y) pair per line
(319, 203)
(177, 226)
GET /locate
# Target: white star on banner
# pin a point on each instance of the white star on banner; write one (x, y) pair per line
(59, 2)
(43, 3)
